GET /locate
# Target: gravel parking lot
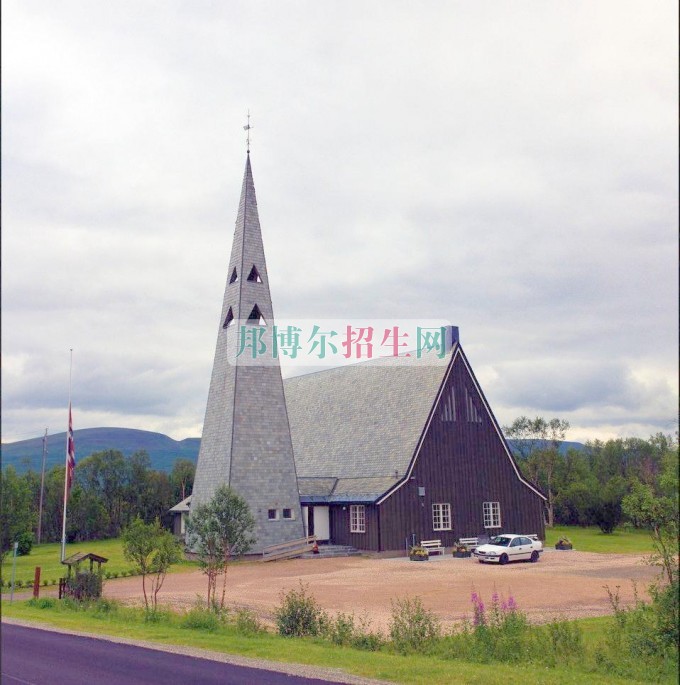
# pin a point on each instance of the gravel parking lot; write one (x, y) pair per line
(568, 584)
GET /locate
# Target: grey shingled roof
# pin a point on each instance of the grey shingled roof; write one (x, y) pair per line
(361, 423)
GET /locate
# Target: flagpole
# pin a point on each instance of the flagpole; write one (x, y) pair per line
(66, 470)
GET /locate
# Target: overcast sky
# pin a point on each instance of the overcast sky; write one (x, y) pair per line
(511, 167)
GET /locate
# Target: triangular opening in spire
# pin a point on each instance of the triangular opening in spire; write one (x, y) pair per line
(234, 276)
(254, 275)
(256, 318)
(229, 320)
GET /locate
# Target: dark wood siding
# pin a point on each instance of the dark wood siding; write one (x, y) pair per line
(340, 533)
(462, 462)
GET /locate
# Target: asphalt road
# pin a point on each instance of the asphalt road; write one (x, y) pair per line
(42, 657)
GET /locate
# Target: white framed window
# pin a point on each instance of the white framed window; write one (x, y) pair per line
(492, 514)
(288, 514)
(441, 516)
(273, 514)
(357, 518)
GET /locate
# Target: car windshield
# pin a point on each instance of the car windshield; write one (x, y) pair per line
(500, 541)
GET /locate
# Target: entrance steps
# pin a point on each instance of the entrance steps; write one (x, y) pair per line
(326, 551)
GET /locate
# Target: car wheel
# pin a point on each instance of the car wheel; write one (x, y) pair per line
(504, 559)
(534, 557)
(481, 561)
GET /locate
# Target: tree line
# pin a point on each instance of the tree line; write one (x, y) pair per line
(594, 485)
(109, 491)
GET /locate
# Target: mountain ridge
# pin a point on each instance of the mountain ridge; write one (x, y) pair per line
(26, 455)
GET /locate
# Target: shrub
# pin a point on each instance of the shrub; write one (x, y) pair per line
(19, 583)
(299, 614)
(345, 630)
(199, 618)
(247, 623)
(105, 606)
(84, 586)
(341, 629)
(565, 641)
(414, 628)
(25, 541)
(42, 603)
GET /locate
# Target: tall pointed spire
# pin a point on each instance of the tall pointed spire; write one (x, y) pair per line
(246, 441)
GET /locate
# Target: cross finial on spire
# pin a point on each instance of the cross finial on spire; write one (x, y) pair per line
(247, 127)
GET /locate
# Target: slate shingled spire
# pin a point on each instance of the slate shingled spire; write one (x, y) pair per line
(246, 441)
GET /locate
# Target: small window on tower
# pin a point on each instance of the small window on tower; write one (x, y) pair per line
(234, 276)
(256, 318)
(287, 513)
(229, 320)
(272, 514)
(254, 275)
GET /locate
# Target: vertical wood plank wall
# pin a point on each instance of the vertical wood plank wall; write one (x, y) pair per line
(461, 462)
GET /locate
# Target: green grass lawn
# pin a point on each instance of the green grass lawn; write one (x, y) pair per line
(383, 665)
(48, 556)
(592, 539)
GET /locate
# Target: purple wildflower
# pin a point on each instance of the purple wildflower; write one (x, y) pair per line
(511, 603)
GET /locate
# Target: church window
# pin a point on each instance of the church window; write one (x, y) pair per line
(473, 414)
(234, 276)
(256, 318)
(229, 320)
(273, 514)
(357, 518)
(254, 275)
(448, 412)
(492, 514)
(441, 516)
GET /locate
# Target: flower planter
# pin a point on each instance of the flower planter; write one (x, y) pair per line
(414, 558)
(462, 555)
(564, 545)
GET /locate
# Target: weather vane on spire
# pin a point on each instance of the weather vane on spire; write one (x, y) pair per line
(247, 127)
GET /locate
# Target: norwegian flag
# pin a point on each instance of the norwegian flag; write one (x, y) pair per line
(70, 453)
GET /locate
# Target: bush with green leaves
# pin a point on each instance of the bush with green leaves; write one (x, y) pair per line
(346, 630)
(42, 602)
(154, 550)
(299, 614)
(414, 629)
(25, 541)
(216, 532)
(84, 586)
(247, 623)
(641, 642)
(200, 618)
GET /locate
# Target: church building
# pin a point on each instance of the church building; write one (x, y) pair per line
(376, 455)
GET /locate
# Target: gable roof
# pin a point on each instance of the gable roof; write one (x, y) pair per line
(361, 424)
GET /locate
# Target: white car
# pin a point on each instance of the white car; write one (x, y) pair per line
(509, 547)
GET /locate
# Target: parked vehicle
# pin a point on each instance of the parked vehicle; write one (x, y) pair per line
(510, 547)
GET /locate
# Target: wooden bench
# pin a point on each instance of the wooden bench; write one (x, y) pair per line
(470, 543)
(433, 546)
